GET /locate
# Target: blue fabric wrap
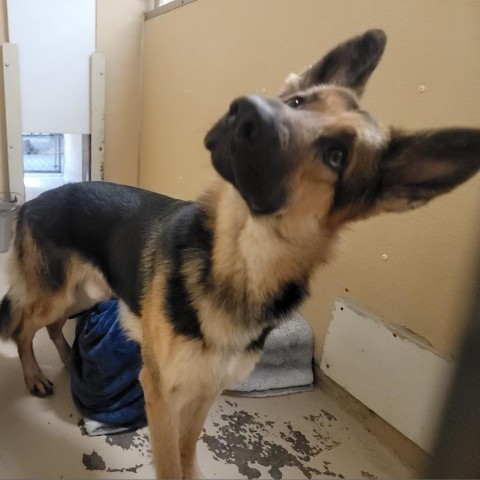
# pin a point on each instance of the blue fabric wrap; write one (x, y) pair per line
(105, 368)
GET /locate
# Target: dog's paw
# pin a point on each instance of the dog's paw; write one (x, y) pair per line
(40, 387)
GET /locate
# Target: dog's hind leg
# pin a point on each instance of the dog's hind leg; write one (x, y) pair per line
(7, 325)
(31, 317)
(13, 325)
(37, 383)
(55, 331)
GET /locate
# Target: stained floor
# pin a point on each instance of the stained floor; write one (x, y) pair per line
(305, 435)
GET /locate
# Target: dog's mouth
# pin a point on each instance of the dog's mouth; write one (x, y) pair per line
(246, 150)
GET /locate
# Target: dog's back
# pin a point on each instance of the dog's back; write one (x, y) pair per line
(73, 228)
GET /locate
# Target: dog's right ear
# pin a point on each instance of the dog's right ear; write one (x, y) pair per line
(349, 65)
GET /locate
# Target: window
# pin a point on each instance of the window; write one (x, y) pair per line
(164, 6)
(43, 152)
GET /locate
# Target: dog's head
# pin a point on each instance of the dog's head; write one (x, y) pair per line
(315, 147)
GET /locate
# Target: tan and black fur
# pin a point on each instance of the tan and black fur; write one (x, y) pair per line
(201, 284)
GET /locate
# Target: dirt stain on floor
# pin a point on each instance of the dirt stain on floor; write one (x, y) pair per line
(138, 440)
(93, 461)
(134, 440)
(242, 440)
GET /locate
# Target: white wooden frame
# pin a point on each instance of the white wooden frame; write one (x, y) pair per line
(97, 112)
(161, 7)
(13, 118)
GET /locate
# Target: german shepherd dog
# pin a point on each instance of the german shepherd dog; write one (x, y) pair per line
(202, 283)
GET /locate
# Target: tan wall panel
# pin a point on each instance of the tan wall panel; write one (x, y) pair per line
(119, 37)
(199, 57)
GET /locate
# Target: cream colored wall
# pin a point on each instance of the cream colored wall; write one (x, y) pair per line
(119, 36)
(199, 57)
(3, 135)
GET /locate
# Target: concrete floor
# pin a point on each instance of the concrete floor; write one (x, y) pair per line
(305, 435)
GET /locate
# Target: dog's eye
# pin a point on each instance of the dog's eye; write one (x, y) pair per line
(295, 102)
(335, 158)
(333, 151)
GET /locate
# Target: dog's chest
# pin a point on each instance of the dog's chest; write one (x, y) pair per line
(237, 367)
(192, 374)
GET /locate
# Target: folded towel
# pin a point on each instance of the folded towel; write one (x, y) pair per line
(94, 429)
(105, 368)
(286, 364)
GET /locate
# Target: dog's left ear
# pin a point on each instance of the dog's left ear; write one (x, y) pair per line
(416, 168)
(349, 65)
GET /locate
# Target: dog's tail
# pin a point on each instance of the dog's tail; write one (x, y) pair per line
(7, 323)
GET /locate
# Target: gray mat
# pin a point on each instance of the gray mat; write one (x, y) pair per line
(286, 365)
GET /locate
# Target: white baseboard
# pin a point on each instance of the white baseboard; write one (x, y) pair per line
(390, 370)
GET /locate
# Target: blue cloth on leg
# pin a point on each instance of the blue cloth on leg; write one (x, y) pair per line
(105, 368)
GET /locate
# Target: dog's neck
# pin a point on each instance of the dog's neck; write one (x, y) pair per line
(262, 254)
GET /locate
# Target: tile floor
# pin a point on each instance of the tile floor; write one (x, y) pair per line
(305, 435)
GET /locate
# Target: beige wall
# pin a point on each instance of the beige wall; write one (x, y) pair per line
(199, 57)
(119, 37)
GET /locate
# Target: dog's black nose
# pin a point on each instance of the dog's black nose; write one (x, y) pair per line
(252, 120)
(210, 143)
(246, 147)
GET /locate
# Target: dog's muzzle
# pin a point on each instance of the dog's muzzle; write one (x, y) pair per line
(245, 145)
(249, 123)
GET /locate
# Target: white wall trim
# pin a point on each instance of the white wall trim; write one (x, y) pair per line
(389, 369)
(13, 118)
(161, 7)
(97, 112)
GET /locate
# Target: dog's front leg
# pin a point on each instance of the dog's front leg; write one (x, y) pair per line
(192, 420)
(163, 424)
